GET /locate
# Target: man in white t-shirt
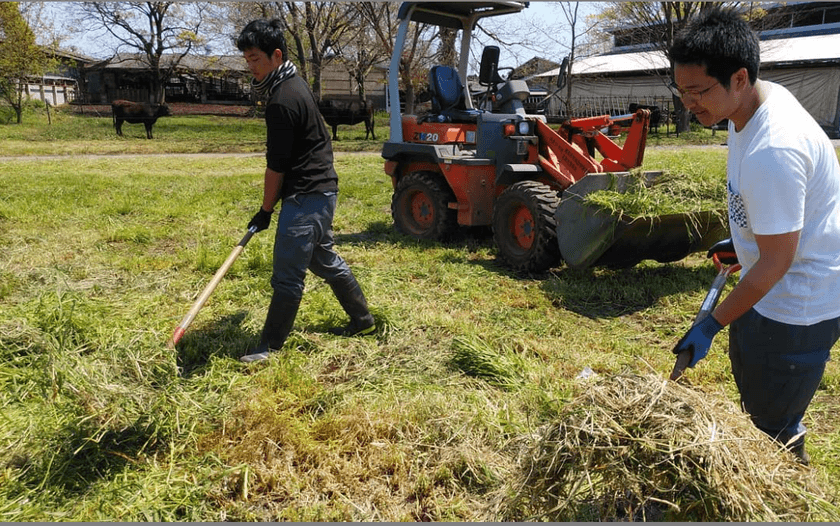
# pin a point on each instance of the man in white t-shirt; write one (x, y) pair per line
(783, 181)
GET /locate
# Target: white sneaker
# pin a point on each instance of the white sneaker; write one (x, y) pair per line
(256, 357)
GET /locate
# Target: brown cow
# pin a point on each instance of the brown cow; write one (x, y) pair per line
(137, 112)
(344, 110)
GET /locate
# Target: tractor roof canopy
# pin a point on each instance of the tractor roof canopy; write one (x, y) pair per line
(458, 15)
(461, 16)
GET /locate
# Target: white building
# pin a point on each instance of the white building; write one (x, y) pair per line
(804, 58)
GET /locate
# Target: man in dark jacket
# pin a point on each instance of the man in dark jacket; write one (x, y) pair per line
(300, 173)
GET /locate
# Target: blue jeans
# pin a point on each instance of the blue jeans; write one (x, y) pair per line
(777, 368)
(304, 240)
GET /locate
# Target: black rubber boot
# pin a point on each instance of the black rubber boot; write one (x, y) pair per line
(278, 324)
(800, 454)
(352, 300)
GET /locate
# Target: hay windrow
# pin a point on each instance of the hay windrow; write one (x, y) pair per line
(641, 448)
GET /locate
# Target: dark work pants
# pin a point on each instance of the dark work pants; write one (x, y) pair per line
(304, 240)
(777, 368)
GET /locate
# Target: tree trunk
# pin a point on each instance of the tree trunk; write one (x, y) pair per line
(360, 83)
(303, 63)
(316, 57)
(409, 91)
(683, 123)
(316, 79)
(18, 106)
(158, 92)
(448, 55)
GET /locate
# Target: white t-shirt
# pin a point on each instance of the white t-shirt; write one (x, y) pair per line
(782, 176)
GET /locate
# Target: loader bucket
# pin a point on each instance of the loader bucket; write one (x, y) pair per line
(590, 236)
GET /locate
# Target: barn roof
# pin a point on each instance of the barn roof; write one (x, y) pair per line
(788, 51)
(194, 62)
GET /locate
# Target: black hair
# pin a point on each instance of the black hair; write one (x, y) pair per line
(722, 40)
(265, 35)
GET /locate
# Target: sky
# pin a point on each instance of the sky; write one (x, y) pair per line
(518, 28)
(539, 17)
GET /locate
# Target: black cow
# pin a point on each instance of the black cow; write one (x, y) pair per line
(343, 110)
(137, 112)
(655, 114)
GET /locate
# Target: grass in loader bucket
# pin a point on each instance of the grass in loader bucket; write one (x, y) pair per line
(635, 447)
(693, 190)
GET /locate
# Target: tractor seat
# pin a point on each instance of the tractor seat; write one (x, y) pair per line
(448, 96)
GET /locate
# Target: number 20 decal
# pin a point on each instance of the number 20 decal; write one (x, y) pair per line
(426, 137)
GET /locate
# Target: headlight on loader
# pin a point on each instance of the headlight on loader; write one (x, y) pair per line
(517, 128)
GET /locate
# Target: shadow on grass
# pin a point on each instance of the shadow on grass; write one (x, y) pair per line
(380, 232)
(608, 293)
(80, 453)
(223, 336)
(594, 292)
(376, 233)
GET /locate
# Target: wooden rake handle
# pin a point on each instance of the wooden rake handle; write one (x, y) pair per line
(202, 299)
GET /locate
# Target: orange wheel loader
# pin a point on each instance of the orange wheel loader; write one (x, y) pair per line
(489, 163)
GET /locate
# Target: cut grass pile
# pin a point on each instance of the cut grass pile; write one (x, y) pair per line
(637, 447)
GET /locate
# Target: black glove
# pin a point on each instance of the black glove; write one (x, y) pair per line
(725, 250)
(261, 220)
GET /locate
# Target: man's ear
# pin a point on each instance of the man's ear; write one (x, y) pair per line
(278, 55)
(741, 78)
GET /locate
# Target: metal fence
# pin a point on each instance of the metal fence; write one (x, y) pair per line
(613, 106)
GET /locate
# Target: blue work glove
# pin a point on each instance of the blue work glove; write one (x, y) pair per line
(261, 220)
(698, 339)
(725, 249)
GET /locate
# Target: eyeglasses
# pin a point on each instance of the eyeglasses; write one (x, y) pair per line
(694, 94)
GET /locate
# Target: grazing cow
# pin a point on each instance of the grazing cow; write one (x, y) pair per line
(344, 110)
(655, 114)
(137, 112)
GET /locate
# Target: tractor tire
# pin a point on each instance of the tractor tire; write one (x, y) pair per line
(420, 207)
(524, 227)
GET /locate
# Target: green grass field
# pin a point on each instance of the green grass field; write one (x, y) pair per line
(104, 254)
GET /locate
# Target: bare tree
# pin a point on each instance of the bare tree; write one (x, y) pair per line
(43, 25)
(317, 26)
(223, 21)
(447, 55)
(312, 30)
(655, 24)
(516, 37)
(580, 28)
(570, 11)
(415, 60)
(159, 33)
(20, 57)
(359, 35)
(358, 53)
